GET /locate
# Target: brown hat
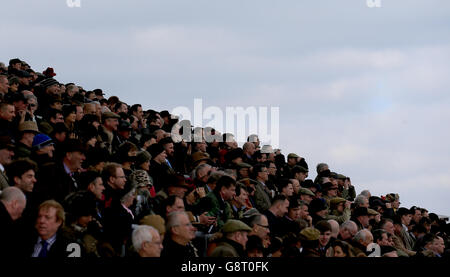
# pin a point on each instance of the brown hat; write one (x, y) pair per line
(335, 201)
(310, 233)
(293, 155)
(372, 212)
(155, 221)
(28, 126)
(233, 225)
(199, 156)
(107, 115)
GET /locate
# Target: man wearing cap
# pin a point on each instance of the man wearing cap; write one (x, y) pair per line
(300, 173)
(292, 160)
(361, 217)
(339, 210)
(243, 170)
(306, 195)
(235, 238)
(24, 79)
(108, 131)
(27, 131)
(6, 154)
(160, 171)
(309, 238)
(318, 209)
(58, 181)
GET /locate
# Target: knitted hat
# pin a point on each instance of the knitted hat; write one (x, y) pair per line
(41, 140)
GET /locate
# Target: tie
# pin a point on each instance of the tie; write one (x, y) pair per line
(43, 252)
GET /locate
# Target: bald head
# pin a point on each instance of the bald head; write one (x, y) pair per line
(14, 201)
(334, 228)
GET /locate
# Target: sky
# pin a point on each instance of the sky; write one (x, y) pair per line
(364, 89)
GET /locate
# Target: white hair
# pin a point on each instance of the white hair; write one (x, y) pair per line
(363, 235)
(141, 234)
(366, 193)
(10, 194)
(360, 199)
(334, 227)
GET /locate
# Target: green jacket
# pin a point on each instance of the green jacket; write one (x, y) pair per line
(218, 208)
(349, 194)
(340, 218)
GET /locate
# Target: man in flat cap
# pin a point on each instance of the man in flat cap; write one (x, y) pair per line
(309, 238)
(339, 210)
(235, 234)
(108, 131)
(360, 216)
(292, 160)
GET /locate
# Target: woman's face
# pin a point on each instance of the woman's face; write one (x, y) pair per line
(338, 252)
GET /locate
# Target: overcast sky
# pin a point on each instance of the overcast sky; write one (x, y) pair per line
(365, 90)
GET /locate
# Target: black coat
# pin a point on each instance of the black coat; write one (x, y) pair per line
(54, 183)
(174, 250)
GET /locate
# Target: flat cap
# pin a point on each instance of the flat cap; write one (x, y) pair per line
(372, 212)
(293, 155)
(233, 225)
(306, 191)
(336, 200)
(244, 165)
(310, 233)
(107, 115)
(155, 221)
(299, 168)
(267, 149)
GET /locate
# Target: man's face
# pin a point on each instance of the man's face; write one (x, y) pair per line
(294, 213)
(283, 208)
(332, 192)
(241, 238)
(120, 179)
(295, 185)
(139, 113)
(111, 124)
(53, 89)
(301, 176)
(288, 190)
(76, 159)
(262, 229)
(306, 197)
(4, 85)
(417, 216)
(185, 230)
(364, 220)
(406, 219)
(8, 113)
(178, 206)
(242, 198)
(389, 227)
(97, 188)
(169, 149)
(244, 172)
(304, 213)
(79, 114)
(47, 224)
(438, 246)
(6, 155)
(324, 238)
(26, 181)
(264, 174)
(47, 150)
(384, 240)
(272, 169)
(153, 248)
(228, 193)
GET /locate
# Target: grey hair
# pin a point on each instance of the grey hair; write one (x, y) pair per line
(230, 172)
(321, 166)
(141, 234)
(334, 226)
(366, 193)
(128, 195)
(31, 96)
(348, 225)
(173, 219)
(194, 174)
(362, 235)
(247, 145)
(253, 219)
(10, 194)
(360, 199)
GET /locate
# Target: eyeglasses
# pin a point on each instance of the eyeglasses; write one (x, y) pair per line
(264, 226)
(124, 177)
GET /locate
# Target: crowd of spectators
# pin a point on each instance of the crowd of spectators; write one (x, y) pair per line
(90, 176)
